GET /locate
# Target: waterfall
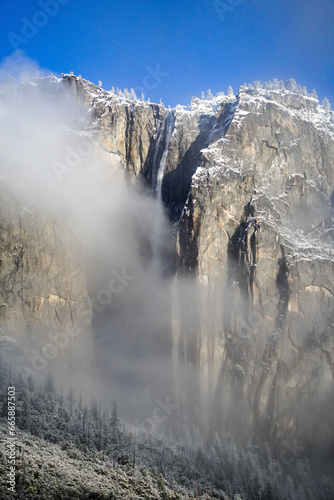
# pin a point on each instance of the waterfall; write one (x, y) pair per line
(159, 164)
(168, 129)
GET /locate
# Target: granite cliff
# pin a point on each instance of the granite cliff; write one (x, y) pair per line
(247, 183)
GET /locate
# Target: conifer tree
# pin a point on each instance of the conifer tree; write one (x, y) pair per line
(230, 91)
(326, 105)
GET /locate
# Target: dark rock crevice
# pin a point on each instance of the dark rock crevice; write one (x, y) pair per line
(283, 287)
(176, 183)
(242, 262)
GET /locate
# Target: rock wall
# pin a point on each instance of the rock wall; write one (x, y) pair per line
(248, 183)
(256, 236)
(45, 306)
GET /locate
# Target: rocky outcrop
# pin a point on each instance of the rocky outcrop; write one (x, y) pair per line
(126, 130)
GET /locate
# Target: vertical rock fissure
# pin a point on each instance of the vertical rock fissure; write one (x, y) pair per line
(242, 262)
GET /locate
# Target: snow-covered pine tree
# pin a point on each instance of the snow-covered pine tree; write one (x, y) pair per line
(291, 85)
(49, 386)
(71, 400)
(326, 105)
(114, 424)
(230, 91)
(276, 84)
(314, 94)
(94, 410)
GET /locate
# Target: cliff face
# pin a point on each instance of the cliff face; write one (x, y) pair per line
(248, 184)
(44, 302)
(258, 222)
(127, 131)
(248, 181)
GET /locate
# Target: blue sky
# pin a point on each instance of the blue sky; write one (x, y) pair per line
(173, 50)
